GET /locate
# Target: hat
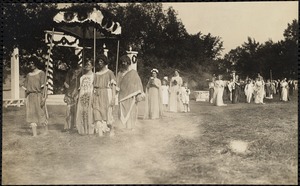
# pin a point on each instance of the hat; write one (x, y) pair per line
(166, 78)
(154, 70)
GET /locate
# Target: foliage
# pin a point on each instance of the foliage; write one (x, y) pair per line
(160, 38)
(271, 60)
(157, 34)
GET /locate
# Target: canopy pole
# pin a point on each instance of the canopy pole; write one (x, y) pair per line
(94, 49)
(45, 90)
(117, 61)
(83, 49)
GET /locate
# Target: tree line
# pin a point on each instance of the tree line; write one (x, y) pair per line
(161, 40)
(274, 60)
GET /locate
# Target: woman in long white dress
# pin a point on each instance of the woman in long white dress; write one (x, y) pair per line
(218, 91)
(259, 91)
(284, 90)
(84, 117)
(249, 91)
(175, 102)
(153, 105)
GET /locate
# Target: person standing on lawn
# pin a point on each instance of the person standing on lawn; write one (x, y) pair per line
(34, 84)
(273, 89)
(291, 88)
(153, 101)
(130, 88)
(259, 90)
(249, 90)
(175, 84)
(165, 93)
(236, 90)
(278, 88)
(104, 96)
(211, 85)
(84, 116)
(284, 90)
(185, 97)
(71, 93)
(218, 91)
(268, 89)
(230, 86)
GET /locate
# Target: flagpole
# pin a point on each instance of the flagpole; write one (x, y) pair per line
(94, 49)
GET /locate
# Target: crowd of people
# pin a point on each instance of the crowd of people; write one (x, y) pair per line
(255, 90)
(92, 96)
(162, 95)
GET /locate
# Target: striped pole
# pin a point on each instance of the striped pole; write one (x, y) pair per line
(78, 53)
(50, 72)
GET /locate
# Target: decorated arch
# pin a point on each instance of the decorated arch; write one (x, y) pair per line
(74, 26)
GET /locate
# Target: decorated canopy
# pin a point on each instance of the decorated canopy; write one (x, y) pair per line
(82, 23)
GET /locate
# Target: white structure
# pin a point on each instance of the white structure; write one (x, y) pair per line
(133, 57)
(202, 95)
(15, 99)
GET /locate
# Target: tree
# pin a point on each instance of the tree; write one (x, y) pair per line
(24, 26)
(280, 57)
(292, 31)
(157, 34)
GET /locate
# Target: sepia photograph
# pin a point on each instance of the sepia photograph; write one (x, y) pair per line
(150, 93)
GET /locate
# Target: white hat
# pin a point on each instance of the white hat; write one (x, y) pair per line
(154, 70)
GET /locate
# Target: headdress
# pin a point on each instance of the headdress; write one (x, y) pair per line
(126, 59)
(154, 70)
(103, 58)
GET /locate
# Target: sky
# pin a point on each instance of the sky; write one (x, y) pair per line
(235, 21)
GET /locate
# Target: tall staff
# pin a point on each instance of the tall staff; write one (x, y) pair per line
(45, 90)
(117, 61)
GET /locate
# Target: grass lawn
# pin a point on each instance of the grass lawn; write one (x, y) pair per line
(193, 147)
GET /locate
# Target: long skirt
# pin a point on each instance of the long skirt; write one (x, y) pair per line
(173, 101)
(211, 94)
(284, 94)
(153, 103)
(249, 96)
(101, 104)
(84, 116)
(259, 96)
(34, 112)
(128, 112)
(268, 91)
(236, 94)
(218, 97)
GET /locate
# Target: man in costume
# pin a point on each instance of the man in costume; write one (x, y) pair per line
(131, 92)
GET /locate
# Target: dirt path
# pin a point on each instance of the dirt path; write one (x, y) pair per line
(139, 156)
(177, 149)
